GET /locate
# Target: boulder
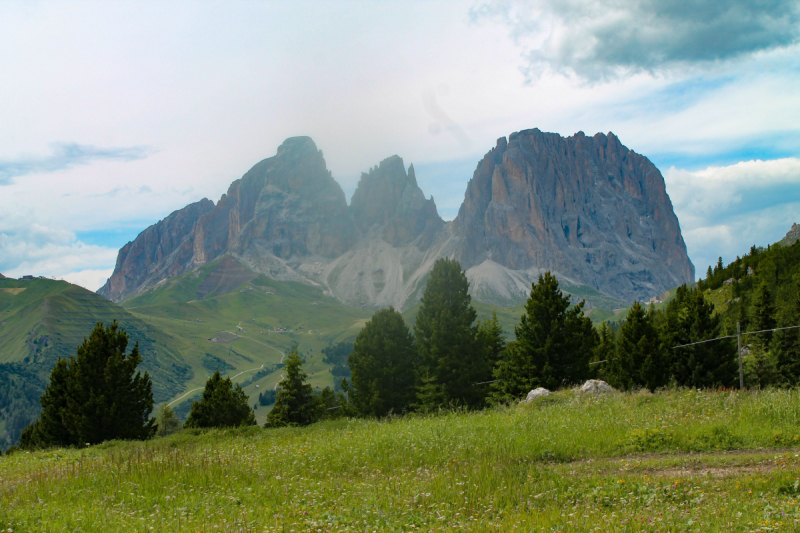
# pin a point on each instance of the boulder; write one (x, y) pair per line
(597, 386)
(535, 393)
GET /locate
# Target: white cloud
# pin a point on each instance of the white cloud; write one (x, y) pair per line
(725, 210)
(52, 252)
(91, 279)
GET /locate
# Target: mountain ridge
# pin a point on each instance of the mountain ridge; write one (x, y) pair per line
(587, 208)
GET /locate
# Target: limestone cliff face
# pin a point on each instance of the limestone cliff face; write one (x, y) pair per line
(163, 250)
(586, 208)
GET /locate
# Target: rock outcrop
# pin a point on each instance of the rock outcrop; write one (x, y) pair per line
(586, 208)
(792, 236)
(596, 386)
(535, 393)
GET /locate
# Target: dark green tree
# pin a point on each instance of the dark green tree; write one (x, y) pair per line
(223, 405)
(383, 364)
(786, 343)
(553, 347)
(49, 428)
(96, 396)
(450, 360)
(639, 360)
(295, 404)
(762, 315)
(690, 318)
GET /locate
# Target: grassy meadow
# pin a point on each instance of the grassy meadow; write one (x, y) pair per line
(675, 461)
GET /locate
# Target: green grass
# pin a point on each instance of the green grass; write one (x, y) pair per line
(674, 461)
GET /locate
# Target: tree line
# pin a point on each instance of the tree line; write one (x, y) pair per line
(450, 358)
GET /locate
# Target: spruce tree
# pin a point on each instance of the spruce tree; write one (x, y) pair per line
(786, 343)
(95, 396)
(295, 404)
(639, 360)
(553, 346)
(450, 360)
(690, 318)
(383, 364)
(762, 315)
(222, 405)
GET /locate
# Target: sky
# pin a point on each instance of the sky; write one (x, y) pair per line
(115, 114)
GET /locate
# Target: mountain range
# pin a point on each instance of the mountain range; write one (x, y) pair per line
(586, 208)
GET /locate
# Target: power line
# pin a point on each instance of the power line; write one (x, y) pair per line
(738, 345)
(734, 336)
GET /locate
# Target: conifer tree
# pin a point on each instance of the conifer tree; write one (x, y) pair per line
(689, 318)
(762, 315)
(295, 404)
(553, 345)
(639, 360)
(450, 360)
(383, 364)
(223, 405)
(95, 396)
(786, 343)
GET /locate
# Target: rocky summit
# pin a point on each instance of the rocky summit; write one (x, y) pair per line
(586, 208)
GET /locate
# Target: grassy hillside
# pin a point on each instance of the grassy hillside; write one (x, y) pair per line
(673, 461)
(42, 320)
(223, 317)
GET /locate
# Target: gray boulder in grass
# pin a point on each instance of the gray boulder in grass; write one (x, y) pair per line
(535, 393)
(597, 386)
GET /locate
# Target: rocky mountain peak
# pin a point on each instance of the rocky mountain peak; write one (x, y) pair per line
(389, 201)
(584, 207)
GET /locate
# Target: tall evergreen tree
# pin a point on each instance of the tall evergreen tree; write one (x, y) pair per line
(295, 404)
(553, 346)
(49, 429)
(383, 364)
(762, 315)
(689, 318)
(450, 360)
(223, 405)
(639, 360)
(96, 396)
(786, 343)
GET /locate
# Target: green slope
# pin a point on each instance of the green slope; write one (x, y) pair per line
(42, 320)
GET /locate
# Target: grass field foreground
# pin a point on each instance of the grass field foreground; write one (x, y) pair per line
(674, 461)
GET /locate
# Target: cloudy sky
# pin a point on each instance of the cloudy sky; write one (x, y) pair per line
(114, 114)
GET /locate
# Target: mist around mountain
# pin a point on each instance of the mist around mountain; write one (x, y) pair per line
(586, 208)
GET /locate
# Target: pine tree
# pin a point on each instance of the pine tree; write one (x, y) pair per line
(553, 346)
(295, 404)
(689, 318)
(96, 396)
(446, 337)
(639, 360)
(786, 343)
(762, 315)
(383, 365)
(49, 429)
(222, 405)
